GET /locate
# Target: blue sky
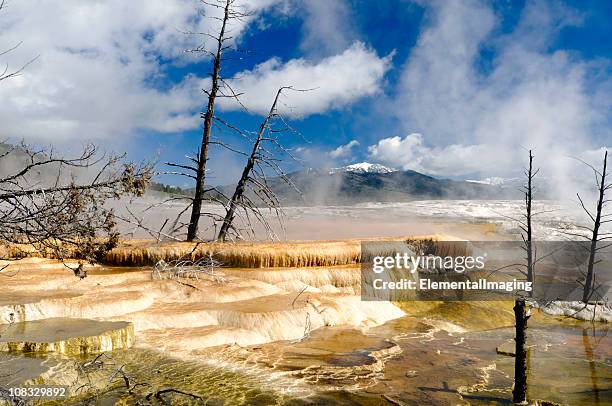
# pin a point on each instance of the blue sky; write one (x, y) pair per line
(449, 88)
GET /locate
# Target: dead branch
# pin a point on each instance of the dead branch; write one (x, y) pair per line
(206, 268)
(230, 12)
(527, 237)
(56, 206)
(596, 236)
(254, 181)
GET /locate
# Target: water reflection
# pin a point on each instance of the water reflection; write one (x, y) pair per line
(588, 342)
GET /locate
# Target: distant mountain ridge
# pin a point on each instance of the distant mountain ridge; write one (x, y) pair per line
(365, 182)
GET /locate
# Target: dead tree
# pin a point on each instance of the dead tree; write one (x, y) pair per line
(526, 226)
(56, 206)
(261, 160)
(525, 223)
(598, 219)
(219, 88)
(519, 393)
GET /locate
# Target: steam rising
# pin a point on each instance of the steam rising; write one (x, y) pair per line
(464, 119)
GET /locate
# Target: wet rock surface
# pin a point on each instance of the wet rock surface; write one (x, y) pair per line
(66, 336)
(261, 338)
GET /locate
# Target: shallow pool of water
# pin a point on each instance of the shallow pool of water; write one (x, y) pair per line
(411, 360)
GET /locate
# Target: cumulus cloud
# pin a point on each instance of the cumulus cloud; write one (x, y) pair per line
(100, 73)
(484, 118)
(335, 82)
(102, 70)
(410, 152)
(344, 151)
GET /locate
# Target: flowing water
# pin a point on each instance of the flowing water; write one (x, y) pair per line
(410, 360)
(301, 335)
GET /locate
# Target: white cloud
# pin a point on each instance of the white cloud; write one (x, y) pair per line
(528, 97)
(594, 157)
(99, 71)
(327, 27)
(336, 82)
(410, 152)
(344, 151)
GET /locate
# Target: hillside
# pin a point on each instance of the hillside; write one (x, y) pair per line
(354, 184)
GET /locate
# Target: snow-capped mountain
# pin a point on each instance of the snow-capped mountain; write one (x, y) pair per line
(366, 182)
(363, 167)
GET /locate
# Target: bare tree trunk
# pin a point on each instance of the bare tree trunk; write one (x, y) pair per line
(528, 244)
(588, 284)
(196, 209)
(519, 393)
(248, 168)
(240, 187)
